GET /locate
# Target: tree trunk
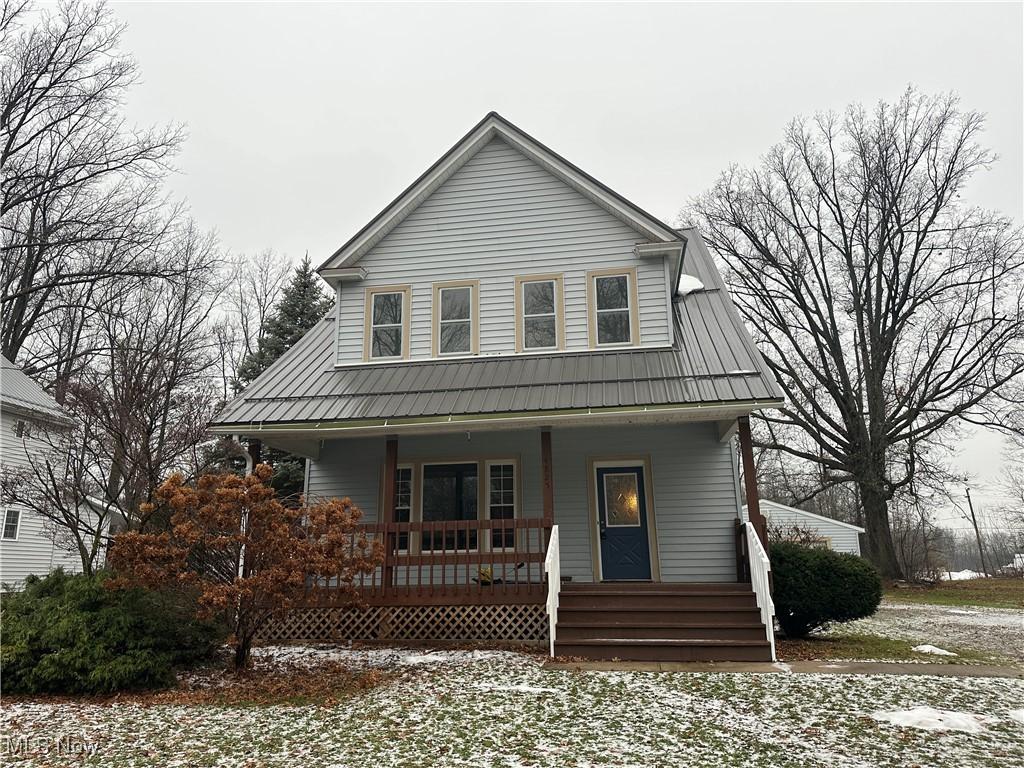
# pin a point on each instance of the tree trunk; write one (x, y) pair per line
(881, 550)
(242, 647)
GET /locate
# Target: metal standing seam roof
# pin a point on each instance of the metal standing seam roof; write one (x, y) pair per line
(712, 361)
(20, 393)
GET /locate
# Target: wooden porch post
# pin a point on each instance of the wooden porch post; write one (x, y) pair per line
(750, 482)
(387, 512)
(547, 477)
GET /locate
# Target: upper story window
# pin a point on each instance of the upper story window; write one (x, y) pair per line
(540, 321)
(613, 307)
(387, 323)
(456, 310)
(12, 519)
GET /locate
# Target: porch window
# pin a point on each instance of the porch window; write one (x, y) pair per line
(403, 503)
(450, 492)
(12, 518)
(387, 325)
(501, 501)
(455, 318)
(613, 308)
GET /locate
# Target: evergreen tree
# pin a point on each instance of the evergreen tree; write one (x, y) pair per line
(303, 304)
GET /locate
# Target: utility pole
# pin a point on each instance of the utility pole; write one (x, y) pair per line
(977, 533)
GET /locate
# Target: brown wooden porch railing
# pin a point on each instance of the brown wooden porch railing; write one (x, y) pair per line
(471, 557)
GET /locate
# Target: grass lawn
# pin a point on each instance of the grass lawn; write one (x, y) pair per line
(990, 593)
(862, 646)
(503, 709)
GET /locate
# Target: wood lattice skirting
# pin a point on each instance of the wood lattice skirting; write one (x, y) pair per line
(519, 623)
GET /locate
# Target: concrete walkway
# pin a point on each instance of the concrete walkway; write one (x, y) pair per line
(795, 667)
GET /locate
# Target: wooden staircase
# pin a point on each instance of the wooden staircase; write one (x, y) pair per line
(640, 621)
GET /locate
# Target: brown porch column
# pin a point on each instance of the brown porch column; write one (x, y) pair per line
(547, 477)
(750, 482)
(387, 512)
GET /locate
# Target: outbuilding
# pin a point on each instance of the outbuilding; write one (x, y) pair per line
(835, 534)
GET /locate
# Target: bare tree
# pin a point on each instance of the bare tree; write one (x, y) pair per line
(81, 200)
(890, 312)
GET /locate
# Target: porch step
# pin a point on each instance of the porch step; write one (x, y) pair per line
(613, 599)
(665, 650)
(656, 614)
(572, 630)
(643, 586)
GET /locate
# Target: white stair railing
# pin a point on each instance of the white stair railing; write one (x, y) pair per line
(760, 567)
(552, 568)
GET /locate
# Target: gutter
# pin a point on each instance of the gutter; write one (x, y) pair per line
(506, 419)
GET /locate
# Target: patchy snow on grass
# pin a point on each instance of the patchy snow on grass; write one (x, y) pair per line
(503, 709)
(929, 719)
(932, 649)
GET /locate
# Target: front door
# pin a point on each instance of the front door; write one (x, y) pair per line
(622, 524)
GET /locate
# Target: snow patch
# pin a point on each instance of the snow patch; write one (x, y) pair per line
(962, 575)
(782, 666)
(958, 612)
(689, 284)
(1017, 714)
(930, 719)
(932, 649)
(519, 688)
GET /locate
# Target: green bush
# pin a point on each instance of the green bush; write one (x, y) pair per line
(70, 634)
(816, 587)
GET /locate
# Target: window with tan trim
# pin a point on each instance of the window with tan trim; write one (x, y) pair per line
(386, 322)
(456, 313)
(540, 313)
(613, 307)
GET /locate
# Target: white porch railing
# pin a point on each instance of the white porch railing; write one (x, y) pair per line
(760, 566)
(552, 567)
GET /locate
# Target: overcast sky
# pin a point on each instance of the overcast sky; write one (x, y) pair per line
(306, 120)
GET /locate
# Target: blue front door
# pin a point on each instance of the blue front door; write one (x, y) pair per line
(622, 523)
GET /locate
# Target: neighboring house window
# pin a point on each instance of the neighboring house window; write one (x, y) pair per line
(403, 502)
(613, 307)
(501, 501)
(12, 518)
(455, 318)
(539, 313)
(450, 492)
(387, 323)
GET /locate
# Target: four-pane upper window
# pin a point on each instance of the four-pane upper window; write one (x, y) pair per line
(539, 322)
(456, 321)
(539, 325)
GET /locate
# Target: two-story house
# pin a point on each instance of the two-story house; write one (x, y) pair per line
(30, 423)
(532, 388)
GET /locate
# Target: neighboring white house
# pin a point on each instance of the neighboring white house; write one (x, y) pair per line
(27, 417)
(840, 536)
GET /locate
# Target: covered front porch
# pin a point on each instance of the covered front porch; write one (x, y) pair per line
(484, 530)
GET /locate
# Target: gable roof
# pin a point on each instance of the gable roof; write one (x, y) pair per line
(804, 513)
(21, 394)
(495, 126)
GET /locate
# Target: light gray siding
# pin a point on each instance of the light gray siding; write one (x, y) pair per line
(34, 551)
(499, 216)
(695, 502)
(841, 538)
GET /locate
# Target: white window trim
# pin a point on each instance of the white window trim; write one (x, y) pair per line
(628, 309)
(370, 296)
(17, 528)
(387, 326)
(412, 502)
(515, 499)
(441, 322)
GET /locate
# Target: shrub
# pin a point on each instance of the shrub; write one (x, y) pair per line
(71, 634)
(816, 587)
